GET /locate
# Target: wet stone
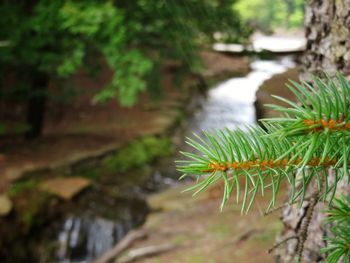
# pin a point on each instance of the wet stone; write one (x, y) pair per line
(5, 205)
(65, 188)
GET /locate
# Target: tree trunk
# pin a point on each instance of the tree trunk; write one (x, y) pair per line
(327, 25)
(36, 105)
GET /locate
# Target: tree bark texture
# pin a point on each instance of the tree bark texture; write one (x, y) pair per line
(327, 26)
(327, 29)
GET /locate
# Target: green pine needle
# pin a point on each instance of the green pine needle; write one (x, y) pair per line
(311, 137)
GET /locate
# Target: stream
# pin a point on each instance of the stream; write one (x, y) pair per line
(231, 103)
(98, 223)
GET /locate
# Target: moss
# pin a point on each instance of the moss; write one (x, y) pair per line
(138, 153)
(20, 187)
(29, 213)
(180, 119)
(30, 206)
(92, 173)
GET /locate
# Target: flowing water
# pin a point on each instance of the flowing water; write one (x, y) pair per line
(83, 236)
(231, 103)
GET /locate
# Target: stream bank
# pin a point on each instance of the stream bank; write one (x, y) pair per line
(276, 86)
(194, 227)
(113, 155)
(88, 225)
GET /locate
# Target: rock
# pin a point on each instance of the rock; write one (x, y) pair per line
(17, 172)
(276, 86)
(221, 66)
(174, 199)
(5, 205)
(12, 173)
(65, 188)
(347, 56)
(160, 124)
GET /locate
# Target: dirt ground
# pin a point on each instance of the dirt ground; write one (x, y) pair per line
(200, 233)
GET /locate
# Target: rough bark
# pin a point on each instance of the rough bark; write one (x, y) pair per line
(327, 28)
(327, 24)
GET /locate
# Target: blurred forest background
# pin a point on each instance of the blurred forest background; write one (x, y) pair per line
(44, 43)
(269, 15)
(96, 99)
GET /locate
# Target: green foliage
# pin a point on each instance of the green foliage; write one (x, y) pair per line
(17, 128)
(310, 137)
(59, 37)
(339, 244)
(2, 128)
(175, 30)
(20, 187)
(138, 153)
(43, 43)
(272, 14)
(321, 119)
(30, 215)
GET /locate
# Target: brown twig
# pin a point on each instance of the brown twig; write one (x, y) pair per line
(303, 234)
(281, 243)
(306, 220)
(144, 252)
(125, 243)
(275, 209)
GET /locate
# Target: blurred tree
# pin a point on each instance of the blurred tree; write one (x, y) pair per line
(272, 14)
(44, 40)
(175, 29)
(295, 13)
(51, 39)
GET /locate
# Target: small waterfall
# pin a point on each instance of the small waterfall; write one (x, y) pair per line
(83, 238)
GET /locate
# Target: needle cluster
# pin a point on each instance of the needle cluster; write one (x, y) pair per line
(311, 137)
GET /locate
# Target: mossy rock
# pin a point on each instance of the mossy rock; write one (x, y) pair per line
(21, 186)
(138, 153)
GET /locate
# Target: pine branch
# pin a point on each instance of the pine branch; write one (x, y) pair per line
(339, 245)
(258, 159)
(322, 108)
(278, 244)
(303, 234)
(312, 137)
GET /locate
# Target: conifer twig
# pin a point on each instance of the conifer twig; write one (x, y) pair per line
(303, 234)
(281, 243)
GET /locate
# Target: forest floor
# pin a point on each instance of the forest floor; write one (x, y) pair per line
(197, 232)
